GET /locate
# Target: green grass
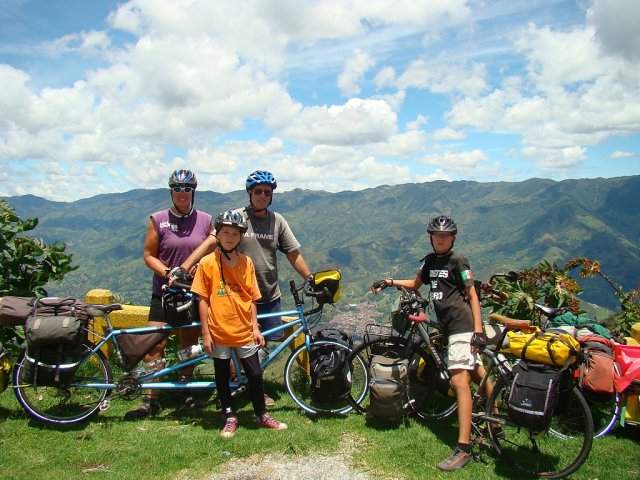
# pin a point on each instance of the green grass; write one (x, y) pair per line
(185, 443)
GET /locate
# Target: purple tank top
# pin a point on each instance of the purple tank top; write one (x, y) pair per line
(177, 238)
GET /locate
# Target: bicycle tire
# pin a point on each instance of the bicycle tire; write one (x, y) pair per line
(550, 457)
(605, 411)
(66, 404)
(429, 395)
(298, 381)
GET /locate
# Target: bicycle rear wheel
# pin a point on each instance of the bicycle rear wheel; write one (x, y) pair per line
(298, 380)
(543, 454)
(71, 401)
(429, 393)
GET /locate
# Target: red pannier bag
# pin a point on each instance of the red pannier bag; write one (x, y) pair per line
(628, 360)
(597, 371)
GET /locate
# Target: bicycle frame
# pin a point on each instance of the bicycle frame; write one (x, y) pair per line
(300, 325)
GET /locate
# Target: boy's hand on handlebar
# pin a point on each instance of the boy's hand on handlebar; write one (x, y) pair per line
(478, 341)
(379, 285)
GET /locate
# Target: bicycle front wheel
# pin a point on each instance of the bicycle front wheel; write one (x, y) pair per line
(543, 454)
(300, 383)
(70, 400)
(429, 393)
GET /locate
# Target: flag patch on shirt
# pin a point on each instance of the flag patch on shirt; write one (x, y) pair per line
(467, 275)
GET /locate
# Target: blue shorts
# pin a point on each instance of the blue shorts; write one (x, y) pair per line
(270, 322)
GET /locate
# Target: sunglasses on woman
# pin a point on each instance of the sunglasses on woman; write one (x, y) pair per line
(179, 189)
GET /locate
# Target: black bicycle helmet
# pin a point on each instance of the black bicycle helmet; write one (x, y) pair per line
(442, 223)
(183, 178)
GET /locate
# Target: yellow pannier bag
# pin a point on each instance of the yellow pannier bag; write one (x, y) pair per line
(549, 348)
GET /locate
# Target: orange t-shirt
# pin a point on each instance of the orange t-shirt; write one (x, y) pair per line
(229, 317)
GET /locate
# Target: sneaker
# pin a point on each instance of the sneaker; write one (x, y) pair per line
(268, 401)
(230, 427)
(267, 421)
(148, 407)
(455, 461)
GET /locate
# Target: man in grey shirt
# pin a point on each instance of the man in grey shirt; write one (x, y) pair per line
(268, 232)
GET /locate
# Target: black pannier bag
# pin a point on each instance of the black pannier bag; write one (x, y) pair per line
(387, 387)
(134, 346)
(534, 395)
(55, 332)
(330, 373)
(15, 310)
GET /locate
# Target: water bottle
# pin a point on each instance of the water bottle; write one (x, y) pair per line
(190, 352)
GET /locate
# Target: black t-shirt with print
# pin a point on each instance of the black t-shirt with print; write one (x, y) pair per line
(452, 310)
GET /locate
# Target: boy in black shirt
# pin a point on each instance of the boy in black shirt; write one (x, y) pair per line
(458, 309)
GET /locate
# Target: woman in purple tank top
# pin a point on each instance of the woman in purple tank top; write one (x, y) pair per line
(172, 235)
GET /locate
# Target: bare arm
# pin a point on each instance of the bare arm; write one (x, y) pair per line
(298, 263)
(207, 340)
(150, 251)
(474, 302)
(207, 246)
(411, 284)
(257, 336)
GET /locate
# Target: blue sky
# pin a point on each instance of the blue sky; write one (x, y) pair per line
(335, 95)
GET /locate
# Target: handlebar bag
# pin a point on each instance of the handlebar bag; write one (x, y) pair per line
(15, 310)
(326, 285)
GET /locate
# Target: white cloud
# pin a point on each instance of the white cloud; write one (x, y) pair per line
(356, 122)
(444, 77)
(354, 70)
(386, 77)
(555, 158)
(616, 26)
(456, 160)
(623, 154)
(448, 134)
(418, 123)
(86, 43)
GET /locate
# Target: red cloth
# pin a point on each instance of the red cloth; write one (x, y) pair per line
(628, 359)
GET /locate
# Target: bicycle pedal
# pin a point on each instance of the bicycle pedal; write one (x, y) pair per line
(239, 390)
(104, 405)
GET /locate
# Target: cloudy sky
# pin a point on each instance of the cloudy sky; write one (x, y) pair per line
(105, 96)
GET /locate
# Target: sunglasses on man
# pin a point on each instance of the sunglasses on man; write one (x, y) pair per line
(178, 189)
(260, 191)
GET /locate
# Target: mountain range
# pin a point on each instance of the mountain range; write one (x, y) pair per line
(373, 233)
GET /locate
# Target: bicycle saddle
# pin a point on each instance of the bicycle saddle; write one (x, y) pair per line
(549, 311)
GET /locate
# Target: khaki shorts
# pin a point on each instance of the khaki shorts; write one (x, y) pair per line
(460, 356)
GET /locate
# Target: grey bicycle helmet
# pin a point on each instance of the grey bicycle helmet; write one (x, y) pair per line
(183, 178)
(442, 223)
(231, 218)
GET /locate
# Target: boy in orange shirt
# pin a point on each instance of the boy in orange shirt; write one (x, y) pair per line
(226, 284)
